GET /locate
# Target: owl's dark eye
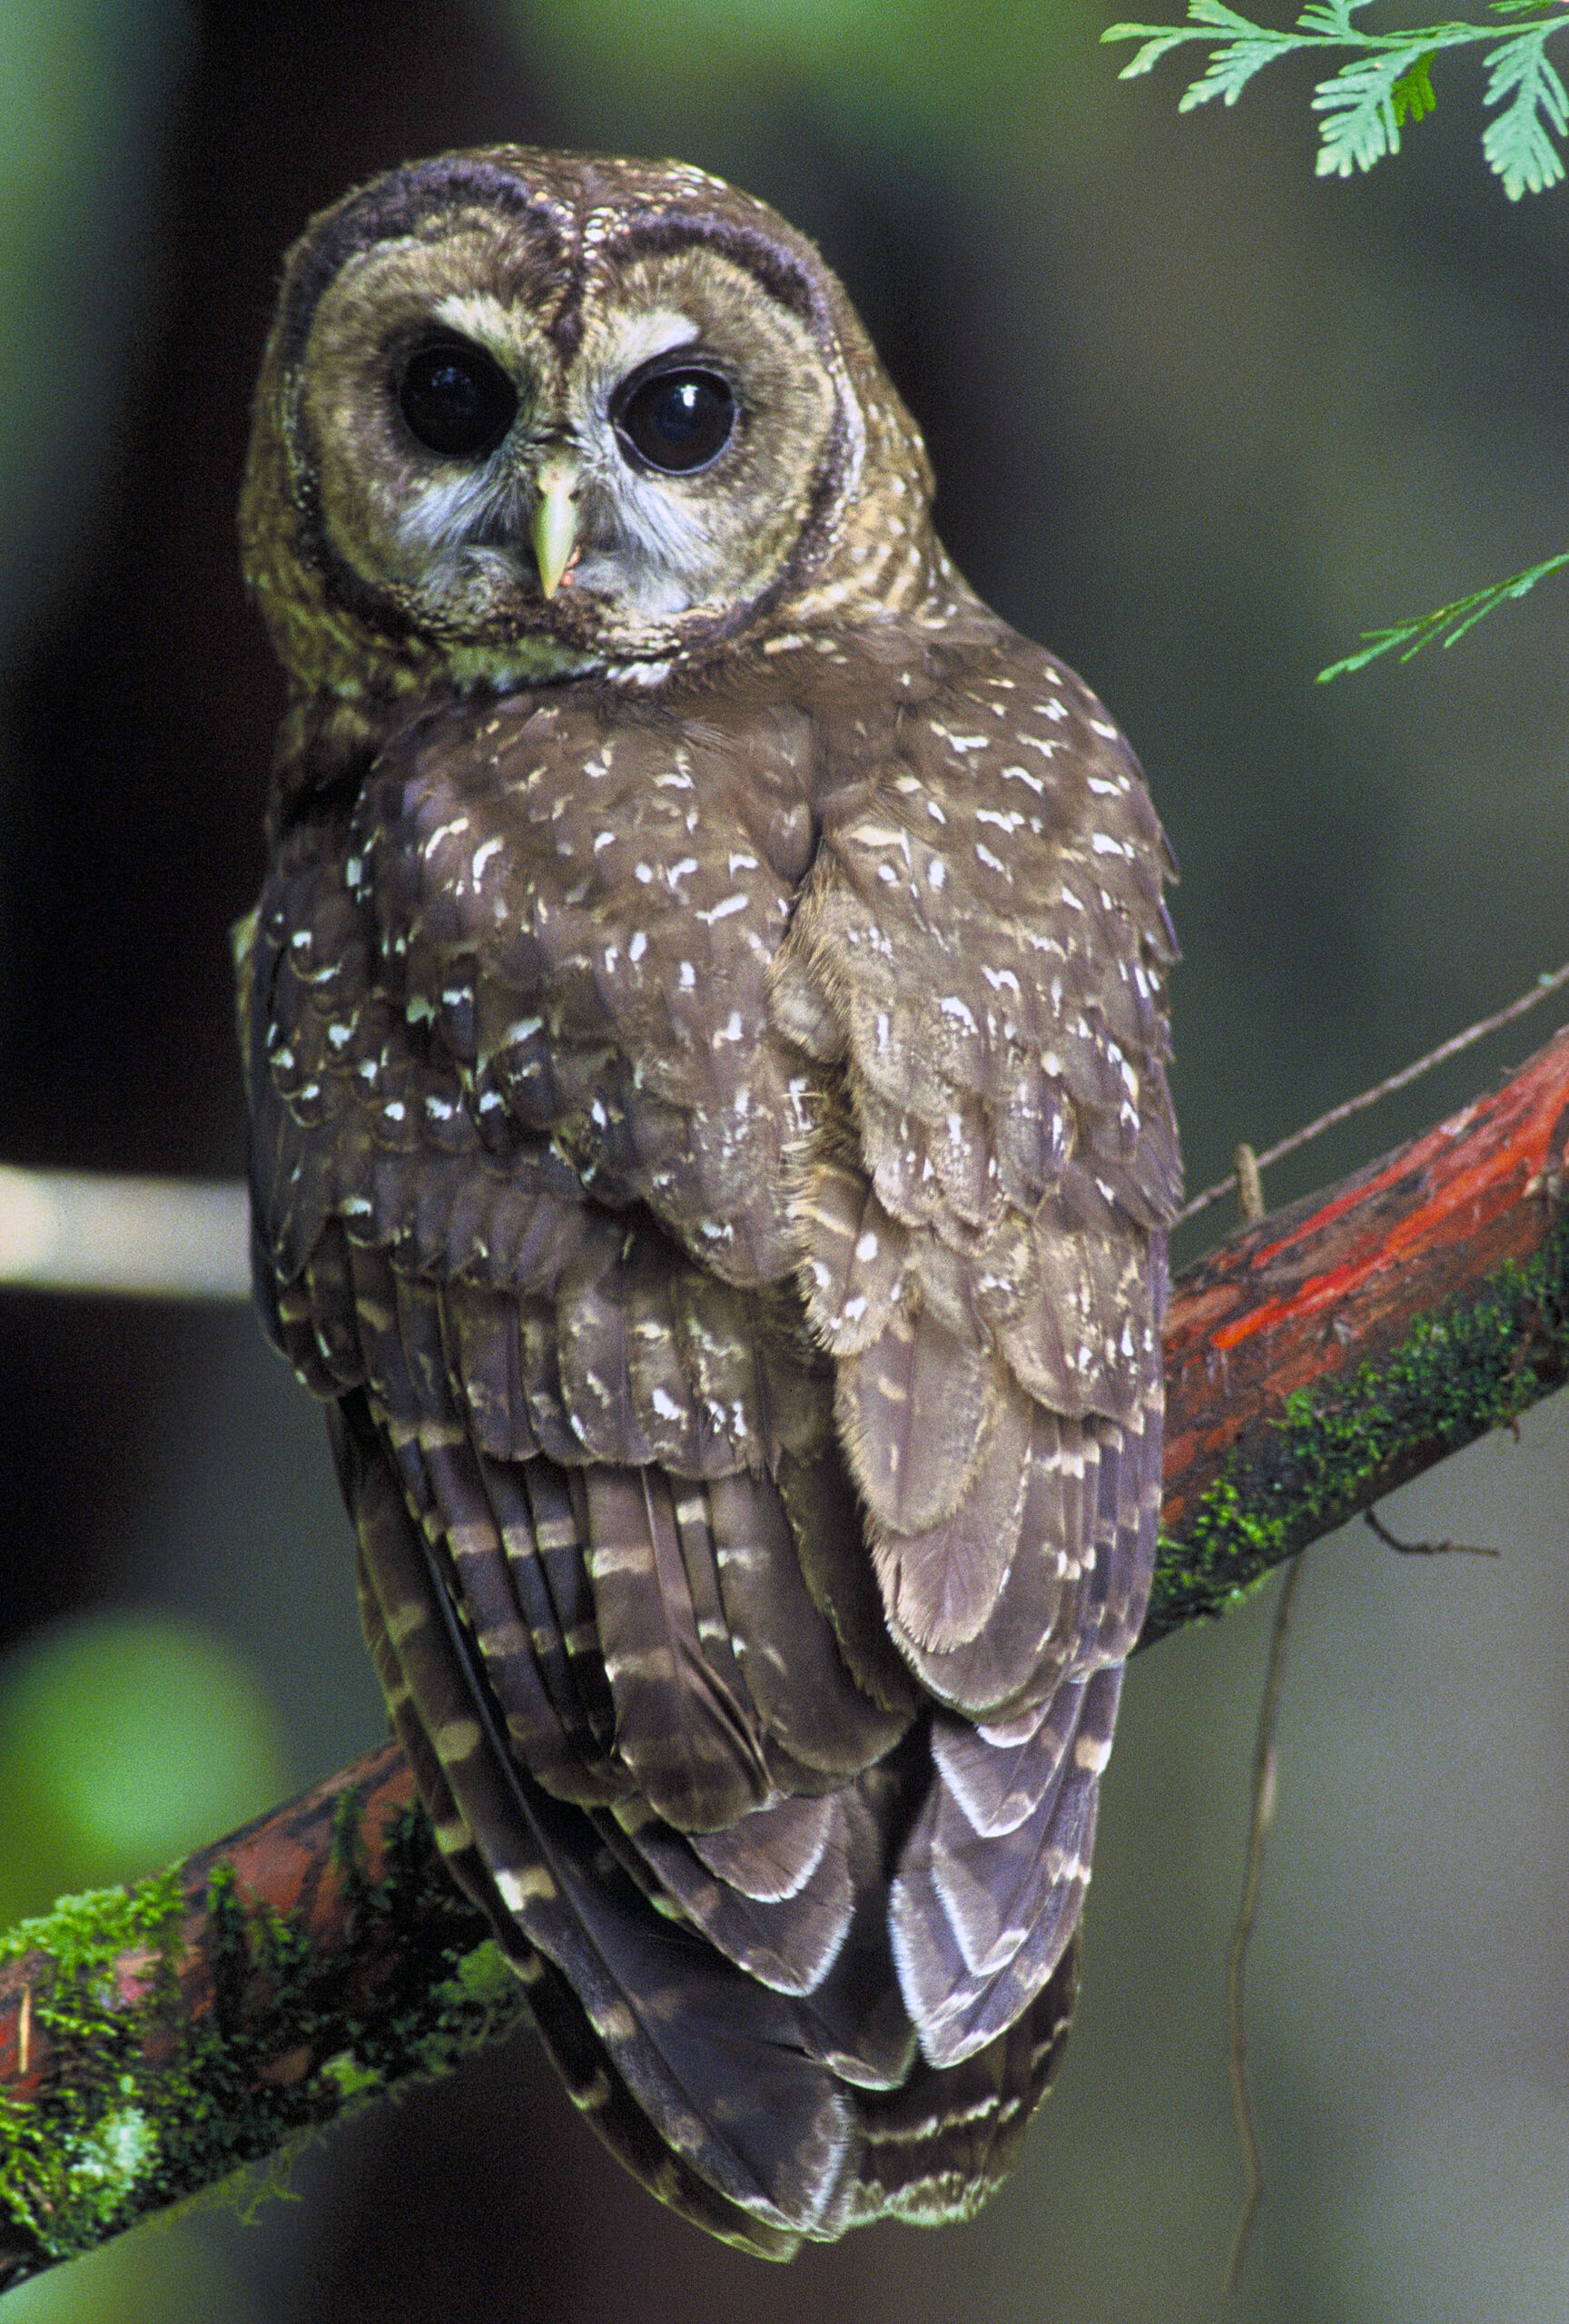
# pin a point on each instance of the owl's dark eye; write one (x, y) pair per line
(678, 421)
(456, 399)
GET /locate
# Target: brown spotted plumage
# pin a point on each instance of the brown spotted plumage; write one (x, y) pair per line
(705, 1026)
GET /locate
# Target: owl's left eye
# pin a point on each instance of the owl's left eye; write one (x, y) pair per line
(456, 399)
(678, 421)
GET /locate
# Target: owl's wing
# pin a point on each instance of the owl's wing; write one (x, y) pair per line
(978, 963)
(556, 1433)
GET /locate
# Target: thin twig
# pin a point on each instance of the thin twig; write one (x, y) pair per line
(1544, 986)
(1247, 1915)
(1425, 1549)
(1249, 1185)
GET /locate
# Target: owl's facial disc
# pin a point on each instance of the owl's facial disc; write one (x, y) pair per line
(525, 415)
(530, 496)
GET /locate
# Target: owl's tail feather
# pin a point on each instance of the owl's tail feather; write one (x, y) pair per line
(712, 2089)
(593, 2083)
(980, 1918)
(992, 1876)
(928, 2153)
(939, 2148)
(740, 2122)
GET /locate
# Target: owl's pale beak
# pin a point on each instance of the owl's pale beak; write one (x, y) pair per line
(554, 530)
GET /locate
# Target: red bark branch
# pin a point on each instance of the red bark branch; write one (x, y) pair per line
(1339, 1279)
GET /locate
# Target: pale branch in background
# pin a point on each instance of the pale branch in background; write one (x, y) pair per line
(159, 1238)
(188, 1239)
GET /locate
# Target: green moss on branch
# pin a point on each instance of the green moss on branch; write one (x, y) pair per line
(145, 2095)
(1344, 1441)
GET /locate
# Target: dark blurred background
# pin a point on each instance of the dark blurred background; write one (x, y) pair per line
(1197, 417)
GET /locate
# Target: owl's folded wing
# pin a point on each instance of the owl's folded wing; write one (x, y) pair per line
(977, 967)
(979, 958)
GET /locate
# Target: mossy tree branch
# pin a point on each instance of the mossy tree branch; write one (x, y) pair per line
(151, 2039)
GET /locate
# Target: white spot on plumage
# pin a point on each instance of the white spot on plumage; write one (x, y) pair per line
(442, 831)
(1023, 775)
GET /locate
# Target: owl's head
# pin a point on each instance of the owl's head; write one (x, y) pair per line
(524, 414)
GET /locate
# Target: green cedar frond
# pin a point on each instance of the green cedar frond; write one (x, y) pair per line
(1519, 144)
(1361, 121)
(1385, 81)
(1408, 637)
(1413, 91)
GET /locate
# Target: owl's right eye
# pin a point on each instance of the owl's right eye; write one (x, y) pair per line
(456, 399)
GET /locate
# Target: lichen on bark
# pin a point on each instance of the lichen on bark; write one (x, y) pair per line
(1341, 1442)
(166, 2068)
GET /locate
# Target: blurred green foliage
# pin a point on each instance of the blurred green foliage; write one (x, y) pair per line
(81, 86)
(125, 1741)
(976, 82)
(153, 2276)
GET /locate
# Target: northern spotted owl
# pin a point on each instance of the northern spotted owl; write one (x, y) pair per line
(704, 1025)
